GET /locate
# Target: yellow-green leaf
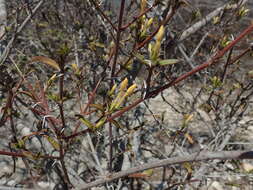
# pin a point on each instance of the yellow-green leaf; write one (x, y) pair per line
(19, 145)
(216, 82)
(188, 118)
(53, 142)
(160, 33)
(100, 123)
(130, 90)
(141, 59)
(98, 106)
(216, 19)
(85, 122)
(123, 84)
(64, 50)
(188, 167)
(148, 172)
(243, 11)
(168, 62)
(50, 81)
(54, 97)
(111, 92)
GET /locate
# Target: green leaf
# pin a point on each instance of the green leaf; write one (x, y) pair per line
(216, 82)
(168, 62)
(64, 50)
(85, 122)
(54, 97)
(100, 123)
(142, 60)
(19, 145)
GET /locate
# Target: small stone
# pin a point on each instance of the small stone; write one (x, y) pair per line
(247, 167)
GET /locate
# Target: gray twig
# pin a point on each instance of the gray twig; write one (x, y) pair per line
(199, 156)
(207, 19)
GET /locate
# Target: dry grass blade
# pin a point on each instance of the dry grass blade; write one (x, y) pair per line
(47, 61)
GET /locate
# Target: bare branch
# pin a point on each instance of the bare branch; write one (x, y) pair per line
(207, 19)
(199, 156)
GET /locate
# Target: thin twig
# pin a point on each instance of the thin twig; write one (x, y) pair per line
(139, 16)
(198, 46)
(22, 26)
(103, 14)
(15, 154)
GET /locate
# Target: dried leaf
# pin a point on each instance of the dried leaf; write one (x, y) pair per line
(29, 155)
(189, 138)
(206, 107)
(47, 61)
(144, 174)
(27, 93)
(98, 106)
(188, 118)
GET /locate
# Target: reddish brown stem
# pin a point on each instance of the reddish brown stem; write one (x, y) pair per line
(118, 38)
(137, 17)
(206, 64)
(91, 98)
(77, 134)
(14, 154)
(164, 22)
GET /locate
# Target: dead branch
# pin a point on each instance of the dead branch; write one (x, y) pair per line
(199, 156)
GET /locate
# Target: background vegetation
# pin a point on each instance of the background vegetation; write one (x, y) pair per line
(126, 94)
